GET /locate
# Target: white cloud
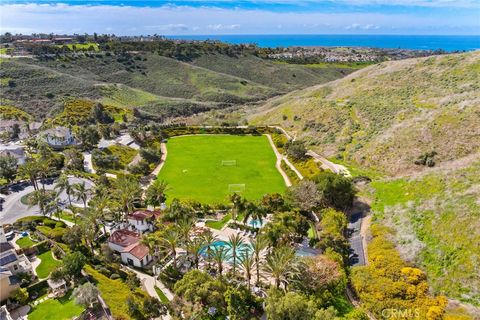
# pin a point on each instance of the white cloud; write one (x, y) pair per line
(220, 26)
(176, 20)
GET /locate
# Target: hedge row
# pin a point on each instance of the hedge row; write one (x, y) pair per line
(251, 130)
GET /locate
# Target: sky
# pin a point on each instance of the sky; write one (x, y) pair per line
(137, 17)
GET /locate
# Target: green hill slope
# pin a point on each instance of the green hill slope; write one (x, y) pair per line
(379, 121)
(387, 115)
(155, 83)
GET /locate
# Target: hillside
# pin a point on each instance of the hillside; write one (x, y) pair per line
(386, 116)
(159, 85)
(382, 119)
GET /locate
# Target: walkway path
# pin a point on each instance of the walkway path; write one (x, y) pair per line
(149, 284)
(327, 164)
(278, 164)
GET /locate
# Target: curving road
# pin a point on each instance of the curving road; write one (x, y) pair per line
(13, 209)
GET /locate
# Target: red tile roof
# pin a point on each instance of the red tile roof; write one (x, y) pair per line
(124, 238)
(144, 215)
(138, 250)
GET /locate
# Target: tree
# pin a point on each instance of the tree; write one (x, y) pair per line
(153, 308)
(336, 190)
(132, 281)
(258, 245)
(81, 192)
(169, 240)
(304, 195)
(31, 169)
(20, 295)
(333, 227)
(127, 192)
(296, 150)
(8, 168)
(251, 210)
(86, 295)
(285, 229)
(73, 237)
(219, 255)
(156, 193)
(99, 114)
(74, 159)
(235, 242)
(282, 265)
(273, 202)
(239, 302)
(88, 136)
(63, 184)
(72, 264)
(238, 205)
(294, 306)
(194, 249)
(247, 262)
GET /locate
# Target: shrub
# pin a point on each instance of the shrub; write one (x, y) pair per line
(115, 276)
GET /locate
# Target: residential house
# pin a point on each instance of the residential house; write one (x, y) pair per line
(13, 150)
(58, 137)
(143, 221)
(128, 244)
(8, 283)
(4, 313)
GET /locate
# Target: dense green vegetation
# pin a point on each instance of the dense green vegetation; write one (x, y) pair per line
(194, 164)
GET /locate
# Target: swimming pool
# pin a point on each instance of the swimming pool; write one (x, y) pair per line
(256, 223)
(244, 248)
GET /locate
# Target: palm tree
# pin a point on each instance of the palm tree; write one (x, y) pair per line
(99, 203)
(238, 205)
(169, 241)
(219, 255)
(151, 240)
(281, 265)
(74, 212)
(64, 185)
(235, 241)
(81, 193)
(127, 191)
(247, 262)
(251, 210)
(185, 226)
(30, 169)
(209, 239)
(156, 193)
(194, 249)
(40, 198)
(258, 245)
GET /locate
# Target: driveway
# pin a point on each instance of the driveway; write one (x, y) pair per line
(13, 208)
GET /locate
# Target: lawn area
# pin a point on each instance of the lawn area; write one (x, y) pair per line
(162, 295)
(114, 292)
(218, 225)
(25, 242)
(63, 308)
(47, 265)
(66, 216)
(194, 168)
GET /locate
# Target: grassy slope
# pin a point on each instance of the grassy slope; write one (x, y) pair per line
(387, 115)
(379, 120)
(153, 82)
(48, 263)
(202, 156)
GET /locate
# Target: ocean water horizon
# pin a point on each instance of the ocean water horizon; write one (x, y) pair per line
(412, 42)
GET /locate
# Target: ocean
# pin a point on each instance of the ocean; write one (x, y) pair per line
(447, 43)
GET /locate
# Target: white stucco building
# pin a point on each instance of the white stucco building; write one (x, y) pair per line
(128, 244)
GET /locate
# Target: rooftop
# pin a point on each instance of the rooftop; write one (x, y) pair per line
(138, 250)
(144, 215)
(124, 238)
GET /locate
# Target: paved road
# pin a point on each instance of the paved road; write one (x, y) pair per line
(356, 240)
(13, 208)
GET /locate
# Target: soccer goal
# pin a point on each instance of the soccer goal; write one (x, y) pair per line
(236, 187)
(229, 162)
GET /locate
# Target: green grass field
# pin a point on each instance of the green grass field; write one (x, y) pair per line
(63, 308)
(194, 167)
(25, 242)
(48, 263)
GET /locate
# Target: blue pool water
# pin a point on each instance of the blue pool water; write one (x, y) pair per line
(243, 248)
(256, 223)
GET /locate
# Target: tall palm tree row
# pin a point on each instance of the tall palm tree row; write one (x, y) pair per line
(282, 266)
(235, 242)
(258, 245)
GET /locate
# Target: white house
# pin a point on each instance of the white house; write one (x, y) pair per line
(10, 260)
(58, 137)
(128, 244)
(13, 150)
(143, 221)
